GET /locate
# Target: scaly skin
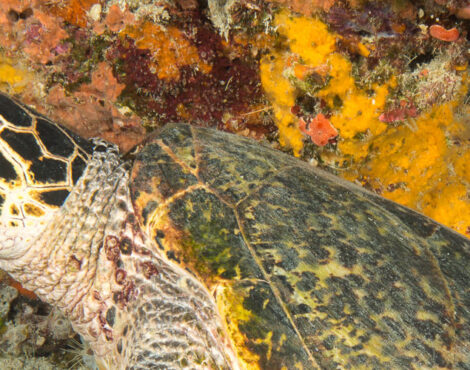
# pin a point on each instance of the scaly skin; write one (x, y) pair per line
(92, 260)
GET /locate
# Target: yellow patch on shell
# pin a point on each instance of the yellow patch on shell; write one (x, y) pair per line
(231, 308)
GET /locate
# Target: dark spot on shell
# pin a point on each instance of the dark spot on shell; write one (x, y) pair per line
(361, 359)
(307, 281)
(120, 276)
(289, 259)
(149, 269)
(329, 342)
(357, 347)
(160, 234)
(301, 309)
(375, 304)
(111, 316)
(149, 208)
(126, 246)
(436, 356)
(347, 254)
(395, 327)
(119, 346)
(14, 210)
(126, 329)
(172, 256)
(364, 338)
(428, 328)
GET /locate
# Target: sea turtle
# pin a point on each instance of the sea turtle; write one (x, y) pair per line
(203, 249)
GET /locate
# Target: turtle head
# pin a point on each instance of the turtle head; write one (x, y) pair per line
(40, 162)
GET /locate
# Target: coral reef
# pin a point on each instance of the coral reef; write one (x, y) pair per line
(206, 87)
(32, 334)
(14, 77)
(163, 54)
(170, 50)
(90, 111)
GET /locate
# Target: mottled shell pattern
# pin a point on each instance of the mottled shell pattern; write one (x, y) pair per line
(306, 269)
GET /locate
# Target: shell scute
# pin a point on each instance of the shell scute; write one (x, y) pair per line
(208, 245)
(181, 142)
(53, 197)
(158, 175)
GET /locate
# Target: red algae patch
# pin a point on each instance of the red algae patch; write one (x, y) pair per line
(320, 130)
(440, 33)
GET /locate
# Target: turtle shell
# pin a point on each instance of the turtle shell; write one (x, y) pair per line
(306, 269)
